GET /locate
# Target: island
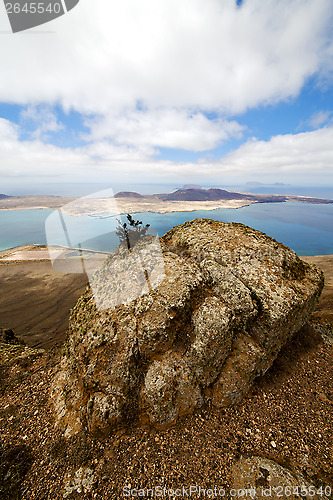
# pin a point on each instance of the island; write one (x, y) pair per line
(182, 200)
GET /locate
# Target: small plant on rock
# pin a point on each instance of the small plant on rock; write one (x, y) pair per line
(130, 232)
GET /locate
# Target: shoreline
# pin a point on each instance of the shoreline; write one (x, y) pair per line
(22, 253)
(204, 209)
(170, 210)
(138, 208)
(25, 208)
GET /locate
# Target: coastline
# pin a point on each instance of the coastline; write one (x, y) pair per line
(27, 253)
(25, 208)
(260, 215)
(34, 202)
(141, 207)
(144, 204)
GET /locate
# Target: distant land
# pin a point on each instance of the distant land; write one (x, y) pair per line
(181, 200)
(256, 183)
(38, 201)
(216, 194)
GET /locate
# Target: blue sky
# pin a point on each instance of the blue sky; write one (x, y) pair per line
(206, 92)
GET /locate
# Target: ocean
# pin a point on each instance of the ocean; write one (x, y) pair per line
(305, 228)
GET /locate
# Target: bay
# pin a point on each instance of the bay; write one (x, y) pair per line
(306, 228)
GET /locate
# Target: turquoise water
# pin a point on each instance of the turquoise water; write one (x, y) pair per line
(22, 227)
(306, 228)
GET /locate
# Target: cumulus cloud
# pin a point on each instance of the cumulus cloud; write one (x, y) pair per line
(43, 121)
(9, 132)
(302, 158)
(168, 128)
(194, 54)
(34, 158)
(151, 74)
(306, 156)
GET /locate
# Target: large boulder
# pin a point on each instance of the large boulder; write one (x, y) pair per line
(230, 299)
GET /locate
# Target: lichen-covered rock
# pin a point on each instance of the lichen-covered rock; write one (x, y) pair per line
(169, 390)
(230, 299)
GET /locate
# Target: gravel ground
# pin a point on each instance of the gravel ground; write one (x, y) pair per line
(287, 418)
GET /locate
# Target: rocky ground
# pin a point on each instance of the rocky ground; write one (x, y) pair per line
(286, 418)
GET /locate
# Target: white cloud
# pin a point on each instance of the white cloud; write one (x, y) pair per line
(194, 54)
(149, 71)
(304, 157)
(43, 119)
(178, 60)
(298, 158)
(34, 158)
(9, 132)
(168, 128)
(320, 118)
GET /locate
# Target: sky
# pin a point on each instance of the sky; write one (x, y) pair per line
(169, 92)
